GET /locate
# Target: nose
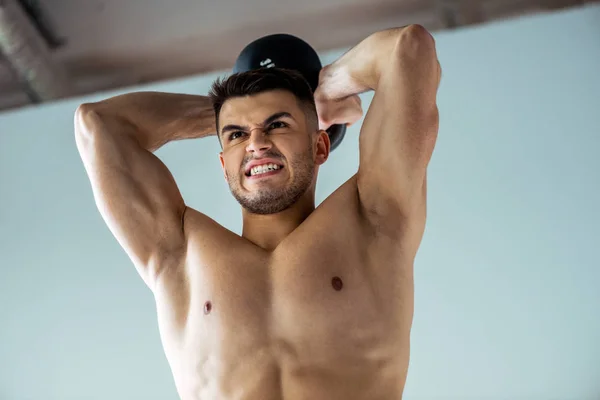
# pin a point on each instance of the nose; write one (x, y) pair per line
(258, 142)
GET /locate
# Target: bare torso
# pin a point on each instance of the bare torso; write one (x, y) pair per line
(326, 315)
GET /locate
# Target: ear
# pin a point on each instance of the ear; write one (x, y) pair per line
(322, 146)
(222, 160)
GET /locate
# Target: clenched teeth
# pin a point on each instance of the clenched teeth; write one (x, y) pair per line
(261, 169)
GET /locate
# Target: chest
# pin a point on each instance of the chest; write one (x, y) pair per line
(333, 303)
(308, 300)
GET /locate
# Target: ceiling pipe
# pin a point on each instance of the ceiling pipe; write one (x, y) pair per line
(29, 56)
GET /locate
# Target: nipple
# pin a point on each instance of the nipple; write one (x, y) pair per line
(337, 283)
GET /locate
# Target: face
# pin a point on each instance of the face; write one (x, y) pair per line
(270, 156)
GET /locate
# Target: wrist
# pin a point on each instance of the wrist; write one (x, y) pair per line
(337, 81)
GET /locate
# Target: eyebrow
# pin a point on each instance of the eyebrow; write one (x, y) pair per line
(274, 117)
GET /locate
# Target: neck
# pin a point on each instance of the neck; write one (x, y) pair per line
(267, 231)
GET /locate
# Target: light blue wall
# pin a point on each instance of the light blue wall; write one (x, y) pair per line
(507, 278)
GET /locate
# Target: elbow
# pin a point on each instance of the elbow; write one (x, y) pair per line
(83, 114)
(417, 33)
(86, 126)
(89, 119)
(415, 40)
(85, 109)
(415, 44)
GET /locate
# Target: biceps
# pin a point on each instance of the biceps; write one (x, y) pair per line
(399, 132)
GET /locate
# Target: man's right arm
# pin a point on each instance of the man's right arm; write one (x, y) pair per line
(134, 191)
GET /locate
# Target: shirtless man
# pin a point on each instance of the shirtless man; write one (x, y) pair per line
(308, 303)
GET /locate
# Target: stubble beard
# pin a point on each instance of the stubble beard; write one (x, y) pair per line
(266, 201)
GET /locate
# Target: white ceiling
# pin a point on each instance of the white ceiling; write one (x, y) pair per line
(116, 43)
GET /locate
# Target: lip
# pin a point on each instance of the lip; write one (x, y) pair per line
(262, 161)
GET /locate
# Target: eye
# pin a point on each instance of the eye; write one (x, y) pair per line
(277, 125)
(234, 136)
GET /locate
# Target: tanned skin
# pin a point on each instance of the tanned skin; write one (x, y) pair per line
(308, 303)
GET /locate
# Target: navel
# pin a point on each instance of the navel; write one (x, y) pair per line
(207, 307)
(337, 283)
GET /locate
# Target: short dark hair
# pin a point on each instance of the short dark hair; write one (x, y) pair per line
(262, 80)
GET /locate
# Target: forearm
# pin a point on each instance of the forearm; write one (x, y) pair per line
(156, 118)
(359, 70)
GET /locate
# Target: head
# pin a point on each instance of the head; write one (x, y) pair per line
(268, 116)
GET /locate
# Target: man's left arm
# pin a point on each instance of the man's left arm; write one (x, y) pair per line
(400, 129)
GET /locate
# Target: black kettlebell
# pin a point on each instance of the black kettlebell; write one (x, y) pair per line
(287, 51)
